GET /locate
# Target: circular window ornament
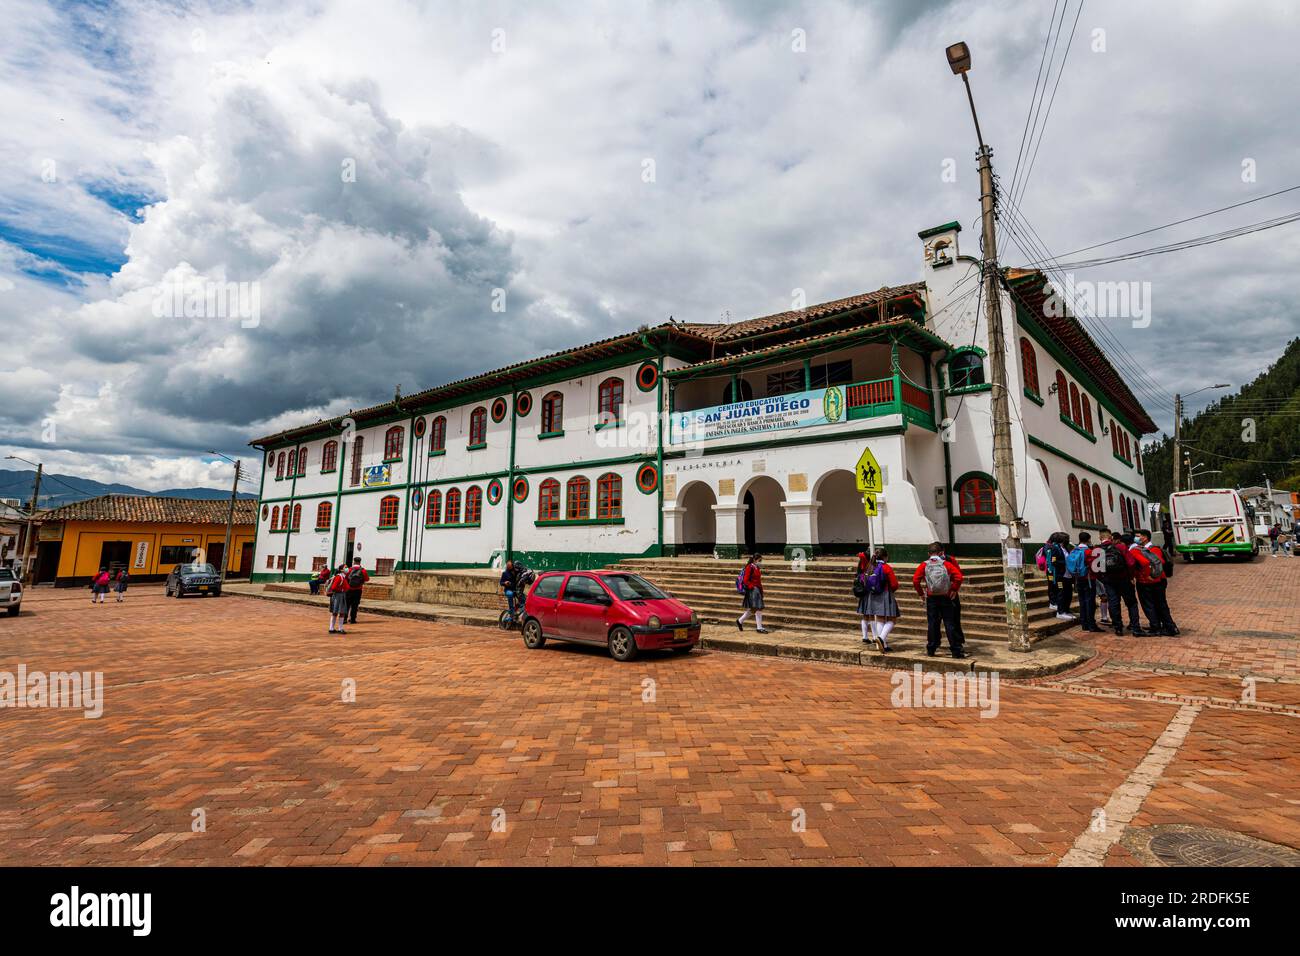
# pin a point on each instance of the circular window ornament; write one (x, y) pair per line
(647, 376)
(265, 511)
(519, 491)
(494, 491)
(417, 499)
(498, 409)
(647, 479)
(523, 403)
(419, 427)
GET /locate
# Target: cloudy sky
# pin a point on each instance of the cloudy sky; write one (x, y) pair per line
(378, 169)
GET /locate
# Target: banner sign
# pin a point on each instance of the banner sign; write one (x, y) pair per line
(377, 475)
(141, 553)
(822, 406)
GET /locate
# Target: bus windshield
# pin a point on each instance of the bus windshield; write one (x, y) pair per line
(1206, 504)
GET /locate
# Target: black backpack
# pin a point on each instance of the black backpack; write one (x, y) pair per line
(859, 584)
(356, 577)
(1114, 561)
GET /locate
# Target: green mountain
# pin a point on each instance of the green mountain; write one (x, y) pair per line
(1247, 436)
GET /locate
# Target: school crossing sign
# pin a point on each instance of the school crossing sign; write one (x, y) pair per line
(870, 479)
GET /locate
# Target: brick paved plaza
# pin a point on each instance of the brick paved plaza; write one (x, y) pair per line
(234, 707)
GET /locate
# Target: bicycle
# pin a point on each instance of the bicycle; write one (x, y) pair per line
(508, 621)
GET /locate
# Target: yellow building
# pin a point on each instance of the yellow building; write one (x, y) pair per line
(147, 536)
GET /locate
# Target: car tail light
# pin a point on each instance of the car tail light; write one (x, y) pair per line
(17, 588)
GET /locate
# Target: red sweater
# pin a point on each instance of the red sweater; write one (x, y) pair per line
(954, 575)
(753, 577)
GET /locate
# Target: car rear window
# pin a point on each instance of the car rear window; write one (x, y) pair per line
(632, 587)
(7, 575)
(549, 586)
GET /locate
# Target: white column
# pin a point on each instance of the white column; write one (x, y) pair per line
(801, 521)
(673, 525)
(729, 528)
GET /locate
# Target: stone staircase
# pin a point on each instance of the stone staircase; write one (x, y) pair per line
(377, 589)
(820, 597)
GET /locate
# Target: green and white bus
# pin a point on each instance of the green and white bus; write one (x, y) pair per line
(1213, 521)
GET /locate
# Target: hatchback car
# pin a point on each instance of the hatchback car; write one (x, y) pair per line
(11, 592)
(614, 609)
(200, 579)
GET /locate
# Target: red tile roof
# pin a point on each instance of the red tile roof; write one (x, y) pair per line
(144, 508)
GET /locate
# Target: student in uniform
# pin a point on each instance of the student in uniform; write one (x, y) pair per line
(338, 592)
(1152, 571)
(938, 580)
(751, 582)
(1079, 565)
(877, 604)
(119, 586)
(99, 587)
(1118, 577)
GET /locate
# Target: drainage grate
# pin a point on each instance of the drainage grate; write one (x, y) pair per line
(1182, 845)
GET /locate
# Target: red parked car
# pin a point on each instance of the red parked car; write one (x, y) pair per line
(613, 609)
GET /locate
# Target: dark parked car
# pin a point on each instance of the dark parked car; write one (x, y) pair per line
(614, 609)
(200, 579)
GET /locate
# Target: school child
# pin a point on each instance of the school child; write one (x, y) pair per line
(1078, 563)
(123, 579)
(938, 580)
(874, 586)
(1117, 575)
(1061, 584)
(99, 587)
(1098, 582)
(751, 586)
(338, 592)
(1152, 571)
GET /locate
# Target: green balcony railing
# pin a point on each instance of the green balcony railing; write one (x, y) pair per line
(890, 396)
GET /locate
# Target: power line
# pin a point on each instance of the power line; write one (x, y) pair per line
(1034, 97)
(1019, 229)
(1120, 354)
(1179, 246)
(1024, 183)
(1179, 222)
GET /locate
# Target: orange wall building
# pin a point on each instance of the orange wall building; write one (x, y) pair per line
(148, 536)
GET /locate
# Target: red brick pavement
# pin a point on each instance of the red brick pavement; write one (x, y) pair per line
(234, 706)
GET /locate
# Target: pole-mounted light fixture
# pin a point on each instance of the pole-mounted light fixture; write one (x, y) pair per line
(959, 58)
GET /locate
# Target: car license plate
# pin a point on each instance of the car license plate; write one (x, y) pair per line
(679, 634)
(203, 587)
(1214, 550)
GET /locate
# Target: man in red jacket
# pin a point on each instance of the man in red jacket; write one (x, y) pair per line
(938, 580)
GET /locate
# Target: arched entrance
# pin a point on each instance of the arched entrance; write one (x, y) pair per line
(699, 525)
(764, 517)
(841, 523)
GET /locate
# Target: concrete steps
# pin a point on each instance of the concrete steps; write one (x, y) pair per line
(819, 597)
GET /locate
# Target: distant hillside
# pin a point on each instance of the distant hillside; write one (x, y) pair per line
(59, 489)
(1218, 435)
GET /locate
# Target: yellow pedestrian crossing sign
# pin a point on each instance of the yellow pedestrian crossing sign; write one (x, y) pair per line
(869, 505)
(870, 481)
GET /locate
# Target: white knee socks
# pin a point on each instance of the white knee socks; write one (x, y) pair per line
(885, 628)
(865, 629)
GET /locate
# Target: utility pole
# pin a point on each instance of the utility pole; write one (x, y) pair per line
(1004, 466)
(1178, 442)
(230, 522)
(31, 527)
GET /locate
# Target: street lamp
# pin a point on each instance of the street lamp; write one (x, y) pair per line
(1178, 432)
(230, 515)
(1011, 527)
(1200, 469)
(26, 575)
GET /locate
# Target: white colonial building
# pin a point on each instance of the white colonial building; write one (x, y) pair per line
(725, 438)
